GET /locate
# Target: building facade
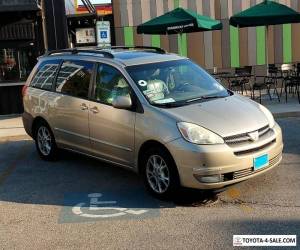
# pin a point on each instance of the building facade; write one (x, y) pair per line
(22, 42)
(228, 48)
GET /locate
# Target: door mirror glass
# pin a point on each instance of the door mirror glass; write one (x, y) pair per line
(122, 102)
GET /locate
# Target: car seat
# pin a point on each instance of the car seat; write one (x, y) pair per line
(156, 90)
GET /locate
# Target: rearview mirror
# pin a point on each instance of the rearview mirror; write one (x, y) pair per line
(122, 102)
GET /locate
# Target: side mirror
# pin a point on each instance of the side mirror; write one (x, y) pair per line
(122, 102)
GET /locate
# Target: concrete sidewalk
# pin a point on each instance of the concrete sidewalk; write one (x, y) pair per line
(12, 126)
(281, 110)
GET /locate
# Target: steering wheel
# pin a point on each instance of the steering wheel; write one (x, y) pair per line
(181, 87)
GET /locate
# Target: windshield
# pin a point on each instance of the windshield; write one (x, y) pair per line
(175, 82)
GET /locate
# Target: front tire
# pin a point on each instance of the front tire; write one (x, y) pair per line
(160, 173)
(45, 142)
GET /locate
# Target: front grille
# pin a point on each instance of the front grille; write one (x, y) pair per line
(246, 172)
(253, 150)
(243, 144)
(242, 173)
(240, 138)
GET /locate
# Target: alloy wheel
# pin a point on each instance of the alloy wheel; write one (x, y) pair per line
(158, 175)
(44, 140)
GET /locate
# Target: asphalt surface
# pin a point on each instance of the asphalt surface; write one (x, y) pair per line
(55, 205)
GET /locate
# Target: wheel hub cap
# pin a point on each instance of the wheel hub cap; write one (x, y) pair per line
(157, 174)
(44, 140)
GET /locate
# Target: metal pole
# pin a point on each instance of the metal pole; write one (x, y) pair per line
(180, 43)
(44, 25)
(19, 64)
(267, 48)
(54, 20)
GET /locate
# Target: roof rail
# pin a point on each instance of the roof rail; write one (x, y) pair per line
(157, 49)
(106, 54)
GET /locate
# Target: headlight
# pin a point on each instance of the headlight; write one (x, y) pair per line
(197, 134)
(268, 115)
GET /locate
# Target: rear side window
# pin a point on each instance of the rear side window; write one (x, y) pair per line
(45, 75)
(74, 78)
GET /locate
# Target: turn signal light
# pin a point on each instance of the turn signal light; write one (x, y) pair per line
(210, 179)
(24, 90)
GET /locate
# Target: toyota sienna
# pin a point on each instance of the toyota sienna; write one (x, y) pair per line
(155, 113)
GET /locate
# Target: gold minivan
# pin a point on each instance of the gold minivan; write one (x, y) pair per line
(158, 114)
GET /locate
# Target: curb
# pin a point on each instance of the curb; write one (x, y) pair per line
(15, 138)
(10, 116)
(287, 114)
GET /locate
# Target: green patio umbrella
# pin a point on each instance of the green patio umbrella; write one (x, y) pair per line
(178, 21)
(264, 14)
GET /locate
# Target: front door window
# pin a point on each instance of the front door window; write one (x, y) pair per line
(110, 83)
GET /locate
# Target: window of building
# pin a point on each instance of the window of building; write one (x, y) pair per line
(45, 75)
(74, 78)
(110, 83)
(15, 64)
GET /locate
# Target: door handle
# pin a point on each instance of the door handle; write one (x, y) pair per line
(95, 110)
(83, 106)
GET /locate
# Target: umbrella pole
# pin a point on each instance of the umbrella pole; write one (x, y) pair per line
(180, 43)
(267, 48)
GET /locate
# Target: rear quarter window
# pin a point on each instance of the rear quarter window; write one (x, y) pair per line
(45, 75)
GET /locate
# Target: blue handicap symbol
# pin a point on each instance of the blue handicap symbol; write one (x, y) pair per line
(103, 34)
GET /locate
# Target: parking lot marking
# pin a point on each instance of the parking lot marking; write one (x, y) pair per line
(12, 166)
(94, 206)
(94, 202)
(124, 204)
(235, 194)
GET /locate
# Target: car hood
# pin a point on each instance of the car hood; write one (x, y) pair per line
(225, 116)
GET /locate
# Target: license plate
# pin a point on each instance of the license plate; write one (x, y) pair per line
(260, 162)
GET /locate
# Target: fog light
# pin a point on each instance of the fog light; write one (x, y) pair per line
(210, 178)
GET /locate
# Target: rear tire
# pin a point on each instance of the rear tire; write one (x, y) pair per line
(159, 173)
(45, 142)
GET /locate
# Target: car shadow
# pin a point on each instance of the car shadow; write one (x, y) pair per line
(25, 178)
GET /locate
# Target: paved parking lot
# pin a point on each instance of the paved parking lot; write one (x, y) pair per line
(71, 204)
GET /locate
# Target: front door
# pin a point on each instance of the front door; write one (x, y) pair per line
(71, 104)
(111, 129)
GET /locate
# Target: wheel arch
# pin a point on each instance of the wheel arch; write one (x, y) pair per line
(151, 144)
(35, 122)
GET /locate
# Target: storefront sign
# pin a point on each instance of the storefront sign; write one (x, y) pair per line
(85, 35)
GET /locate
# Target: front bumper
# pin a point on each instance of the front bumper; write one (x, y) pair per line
(194, 161)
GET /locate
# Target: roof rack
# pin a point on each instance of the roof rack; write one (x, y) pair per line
(77, 51)
(156, 49)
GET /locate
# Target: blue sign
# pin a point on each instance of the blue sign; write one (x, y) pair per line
(103, 34)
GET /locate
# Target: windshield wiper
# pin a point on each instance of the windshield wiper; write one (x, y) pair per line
(169, 104)
(205, 97)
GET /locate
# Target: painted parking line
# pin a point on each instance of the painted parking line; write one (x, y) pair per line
(109, 205)
(234, 194)
(12, 138)
(13, 165)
